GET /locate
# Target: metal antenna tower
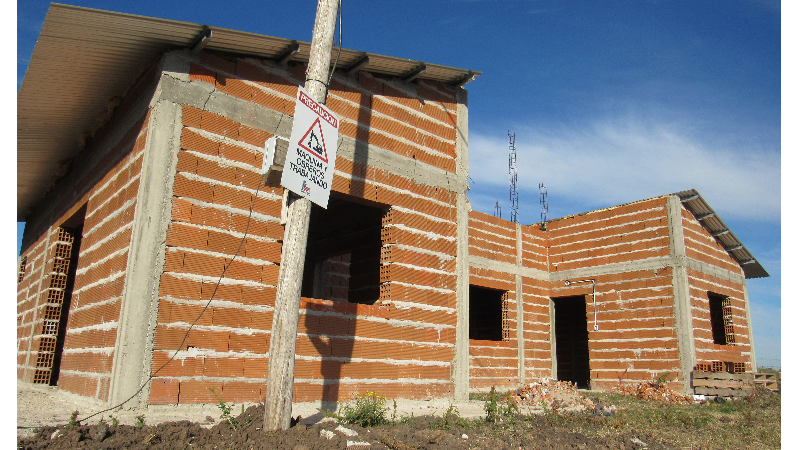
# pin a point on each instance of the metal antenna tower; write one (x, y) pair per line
(512, 173)
(543, 202)
(497, 212)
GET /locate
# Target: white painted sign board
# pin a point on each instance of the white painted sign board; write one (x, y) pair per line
(308, 170)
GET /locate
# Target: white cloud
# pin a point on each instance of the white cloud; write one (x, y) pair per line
(620, 160)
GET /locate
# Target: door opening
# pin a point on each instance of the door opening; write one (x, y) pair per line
(572, 340)
(60, 280)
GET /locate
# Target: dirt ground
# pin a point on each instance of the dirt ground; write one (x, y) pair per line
(199, 427)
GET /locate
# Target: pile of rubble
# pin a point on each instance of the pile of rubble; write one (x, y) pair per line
(551, 394)
(652, 390)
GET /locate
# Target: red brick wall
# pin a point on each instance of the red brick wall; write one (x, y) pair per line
(700, 285)
(27, 301)
(111, 190)
(100, 273)
(629, 232)
(492, 238)
(700, 245)
(636, 339)
(536, 328)
(217, 175)
(494, 363)
(535, 252)
(401, 346)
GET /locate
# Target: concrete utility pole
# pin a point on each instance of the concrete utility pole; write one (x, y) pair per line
(283, 338)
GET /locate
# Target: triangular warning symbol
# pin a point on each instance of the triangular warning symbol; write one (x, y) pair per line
(314, 142)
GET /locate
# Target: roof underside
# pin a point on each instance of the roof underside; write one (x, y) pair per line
(692, 200)
(85, 57)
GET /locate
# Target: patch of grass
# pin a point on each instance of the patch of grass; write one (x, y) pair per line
(752, 422)
(368, 410)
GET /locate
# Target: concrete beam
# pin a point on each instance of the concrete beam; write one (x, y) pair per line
(648, 264)
(527, 272)
(133, 352)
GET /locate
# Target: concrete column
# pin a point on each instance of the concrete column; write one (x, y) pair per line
(133, 352)
(553, 361)
(461, 357)
(753, 361)
(680, 287)
(520, 321)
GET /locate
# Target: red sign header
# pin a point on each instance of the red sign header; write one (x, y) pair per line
(314, 106)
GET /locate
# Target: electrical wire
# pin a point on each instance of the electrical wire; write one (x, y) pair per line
(186, 335)
(330, 77)
(219, 280)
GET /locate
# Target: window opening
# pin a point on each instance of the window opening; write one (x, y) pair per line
(343, 255)
(22, 266)
(572, 341)
(488, 314)
(721, 313)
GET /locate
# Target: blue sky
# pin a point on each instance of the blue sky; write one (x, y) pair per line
(611, 102)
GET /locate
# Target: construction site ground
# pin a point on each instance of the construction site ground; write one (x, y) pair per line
(551, 416)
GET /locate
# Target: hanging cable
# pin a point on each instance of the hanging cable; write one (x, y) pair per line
(339, 14)
(219, 280)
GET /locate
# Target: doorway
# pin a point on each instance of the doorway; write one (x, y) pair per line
(60, 279)
(572, 340)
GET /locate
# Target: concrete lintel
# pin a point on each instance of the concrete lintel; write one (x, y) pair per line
(133, 350)
(714, 271)
(527, 272)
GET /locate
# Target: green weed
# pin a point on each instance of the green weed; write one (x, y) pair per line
(140, 421)
(498, 410)
(226, 409)
(368, 410)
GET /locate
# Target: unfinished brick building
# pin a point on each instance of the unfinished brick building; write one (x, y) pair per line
(137, 196)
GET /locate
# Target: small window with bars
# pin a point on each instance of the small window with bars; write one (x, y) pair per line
(22, 266)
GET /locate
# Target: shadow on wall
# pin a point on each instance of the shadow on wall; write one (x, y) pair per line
(336, 352)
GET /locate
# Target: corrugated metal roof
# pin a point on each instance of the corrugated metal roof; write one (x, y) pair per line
(84, 57)
(692, 200)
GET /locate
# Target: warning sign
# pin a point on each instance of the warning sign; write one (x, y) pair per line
(313, 142)
(308, 170)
